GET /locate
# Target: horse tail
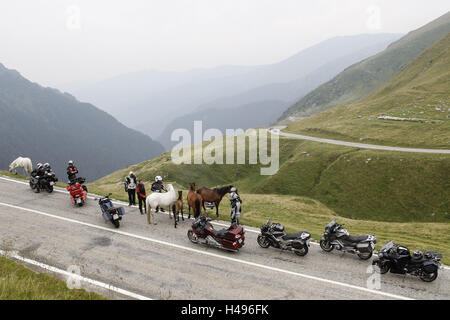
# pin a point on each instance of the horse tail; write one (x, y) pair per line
(147, 209)
(197, 208)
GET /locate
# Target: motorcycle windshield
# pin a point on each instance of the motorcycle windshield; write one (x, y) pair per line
(387, 246)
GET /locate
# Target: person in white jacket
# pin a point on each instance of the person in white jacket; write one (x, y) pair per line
(130, 185)
(236, 203)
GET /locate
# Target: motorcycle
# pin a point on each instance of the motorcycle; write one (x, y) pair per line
(336, 237)
(397, 259)
(47, 181)
(275, 236)
(202, 231)
(78, 192)
(109, 212)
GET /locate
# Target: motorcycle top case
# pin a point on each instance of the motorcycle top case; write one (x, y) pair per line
(429, 266)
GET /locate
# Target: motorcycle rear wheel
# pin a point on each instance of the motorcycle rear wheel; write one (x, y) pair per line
(429, 277)
(301, 252)
(192, 236)
(365, 255)
(263, 241)
(326, 246)
(116, 223)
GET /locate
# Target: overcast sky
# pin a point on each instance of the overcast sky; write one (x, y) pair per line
(56, 42)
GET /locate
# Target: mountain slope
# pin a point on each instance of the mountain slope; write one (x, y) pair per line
(284, 92)
(48, 126)
(362, 78)
(412, 109)
(163, 96)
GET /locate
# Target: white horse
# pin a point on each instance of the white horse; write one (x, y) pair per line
(24, 163)
(159, 199)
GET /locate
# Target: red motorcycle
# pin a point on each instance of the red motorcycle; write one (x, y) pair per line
(78, 192)
(231, 239)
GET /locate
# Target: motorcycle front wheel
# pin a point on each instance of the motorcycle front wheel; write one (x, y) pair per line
(301, 252)
(382, 268)
(32, 186)
(192, 236)
(50, 189)
(326, 246)
(429, 277)
(263, 241)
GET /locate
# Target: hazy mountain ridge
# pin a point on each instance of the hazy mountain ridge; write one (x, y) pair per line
(362, 78)
(49, 126)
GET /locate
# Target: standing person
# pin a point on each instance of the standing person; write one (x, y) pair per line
(71, 171)
(130, 185)
(236, 203)
(158, 186)
(140, 190)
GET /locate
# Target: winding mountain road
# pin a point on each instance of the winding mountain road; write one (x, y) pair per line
(158, 262)
(277, 130)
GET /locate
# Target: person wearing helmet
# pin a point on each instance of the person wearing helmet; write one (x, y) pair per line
(38, 173)
(417, 255)
(158, 186)
(130, 186)
(71, 171)
(236, 203)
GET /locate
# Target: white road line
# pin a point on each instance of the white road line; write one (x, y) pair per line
(346, 285)
(16, 256)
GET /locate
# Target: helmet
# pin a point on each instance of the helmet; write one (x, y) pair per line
(233, 189)
(158, 178)
(417, 254)
(131, 173)
(46, 165)
(39, 165)
(70, 162)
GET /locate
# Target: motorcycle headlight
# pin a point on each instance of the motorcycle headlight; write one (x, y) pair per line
(380, 254)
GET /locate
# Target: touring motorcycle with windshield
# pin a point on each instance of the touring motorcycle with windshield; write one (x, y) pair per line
(202, 231)
(109, 212)
(275, 236)
(46, 182)
(77, 191)
(336, 237)
(398, 259)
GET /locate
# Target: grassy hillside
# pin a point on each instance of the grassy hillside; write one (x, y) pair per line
(20, 283)
(357, 81)
(419, 94)
(358, 184)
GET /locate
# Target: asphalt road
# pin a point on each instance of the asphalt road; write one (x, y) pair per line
(159, 262)
(354, 144)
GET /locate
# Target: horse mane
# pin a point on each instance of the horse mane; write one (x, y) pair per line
(222, 190)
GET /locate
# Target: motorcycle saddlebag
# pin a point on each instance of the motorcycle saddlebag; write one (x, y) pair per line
(231, 234)
(120, 210)
(297, 244)
(429, 267)
(363, 247)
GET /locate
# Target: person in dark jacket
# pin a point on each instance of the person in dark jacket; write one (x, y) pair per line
(140, 190)
(38, 173)
(158, 186)
(72, 171)
(130, 185)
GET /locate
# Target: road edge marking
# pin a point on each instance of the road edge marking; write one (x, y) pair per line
(254, 264)
(15, 256)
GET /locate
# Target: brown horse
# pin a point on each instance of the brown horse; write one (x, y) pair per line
(214, 195)
(177, 208)
(194, 200)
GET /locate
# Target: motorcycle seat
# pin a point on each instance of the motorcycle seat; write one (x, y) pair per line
(357, 239)
(291, 236)
(220, 233)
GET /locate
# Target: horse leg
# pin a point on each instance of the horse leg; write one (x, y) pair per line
(217, 209)
(189, 211)
(182, 217)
